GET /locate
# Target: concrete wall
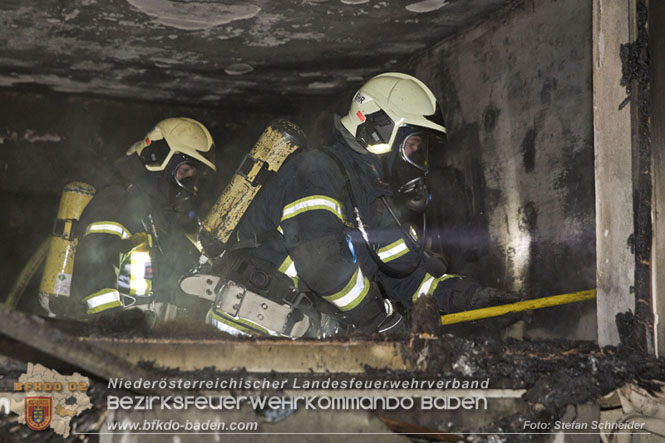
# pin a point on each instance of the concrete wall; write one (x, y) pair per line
(48, 140)
(517, 98)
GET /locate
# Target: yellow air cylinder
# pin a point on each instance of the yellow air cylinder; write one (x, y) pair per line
(57, 276)
(279, 140)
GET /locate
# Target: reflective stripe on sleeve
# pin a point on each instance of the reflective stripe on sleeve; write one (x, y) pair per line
(107, 227)
(103, 300)
(288, 267)
(312, 203)
(393, 251)
(429, 284)
(353, 293)
(138, 283)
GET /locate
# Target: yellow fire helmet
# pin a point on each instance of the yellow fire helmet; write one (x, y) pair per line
(172, 136)
(387, 103)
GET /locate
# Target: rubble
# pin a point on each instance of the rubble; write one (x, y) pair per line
(554, 373)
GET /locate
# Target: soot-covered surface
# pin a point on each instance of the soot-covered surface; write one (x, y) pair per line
(244, 54)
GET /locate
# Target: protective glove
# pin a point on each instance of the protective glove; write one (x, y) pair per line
(483, 297)
(466, 294)
(425, 316)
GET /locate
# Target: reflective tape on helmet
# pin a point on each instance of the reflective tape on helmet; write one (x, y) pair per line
(107, 227)
(353, 293)
(235, 325)
(312, 203)
(103, 300)
(393, 251)
(429, 284)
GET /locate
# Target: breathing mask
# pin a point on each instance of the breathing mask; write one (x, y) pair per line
(408, 166)
(183, 176)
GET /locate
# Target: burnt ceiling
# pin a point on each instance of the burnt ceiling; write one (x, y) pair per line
(219, 53)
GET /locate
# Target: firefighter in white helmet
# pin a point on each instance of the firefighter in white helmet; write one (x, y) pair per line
(328, 220)
(138, 234)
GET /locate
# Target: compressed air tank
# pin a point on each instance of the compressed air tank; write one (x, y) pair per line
(57, 276)
(279, 140)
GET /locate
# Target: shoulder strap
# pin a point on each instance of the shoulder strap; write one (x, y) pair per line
(260, 239)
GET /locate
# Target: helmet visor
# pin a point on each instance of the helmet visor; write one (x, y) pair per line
(156, 154)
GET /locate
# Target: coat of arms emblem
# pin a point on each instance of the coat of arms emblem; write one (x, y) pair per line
(38, 412)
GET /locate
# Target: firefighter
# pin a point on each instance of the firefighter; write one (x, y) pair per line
(138, 235)
(329, 220)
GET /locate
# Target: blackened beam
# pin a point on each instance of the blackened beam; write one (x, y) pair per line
(35, 332)
(259, 356)
(119, 357)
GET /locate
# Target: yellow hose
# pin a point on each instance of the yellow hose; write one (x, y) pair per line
(29, 270)
(536, 303)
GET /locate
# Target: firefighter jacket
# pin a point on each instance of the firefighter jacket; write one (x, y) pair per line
(130, 252)
(321, 246)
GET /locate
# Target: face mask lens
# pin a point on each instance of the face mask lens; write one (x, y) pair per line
(186, 176)
(155, 153)
(415, 150)
(184, 200)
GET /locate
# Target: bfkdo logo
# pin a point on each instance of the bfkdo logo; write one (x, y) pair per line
(38, 412)
(50, 400)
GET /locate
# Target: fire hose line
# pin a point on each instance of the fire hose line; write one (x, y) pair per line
(536, 303)
(29, 270)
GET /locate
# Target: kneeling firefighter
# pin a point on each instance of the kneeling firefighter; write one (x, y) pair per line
(138, 234)
(321, 245)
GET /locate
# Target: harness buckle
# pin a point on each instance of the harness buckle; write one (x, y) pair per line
(295, 299)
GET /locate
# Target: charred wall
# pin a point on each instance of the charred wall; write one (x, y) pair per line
(514, 195)
(517, 99)
(48, 140)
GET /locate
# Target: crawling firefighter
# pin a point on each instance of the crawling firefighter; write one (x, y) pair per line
(322, 248)
(137, 235)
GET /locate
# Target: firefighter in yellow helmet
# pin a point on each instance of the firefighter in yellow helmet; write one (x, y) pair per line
(138, 235)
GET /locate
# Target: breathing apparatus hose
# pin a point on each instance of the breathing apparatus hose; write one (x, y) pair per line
(386, 269)
(417, 245)
(29, 270)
